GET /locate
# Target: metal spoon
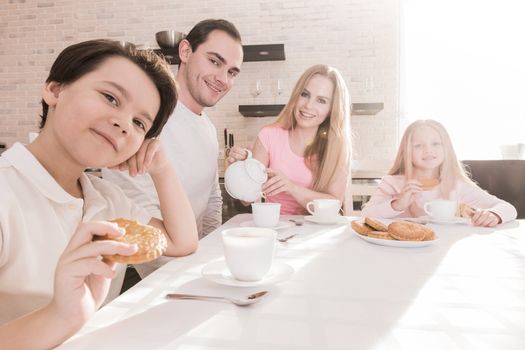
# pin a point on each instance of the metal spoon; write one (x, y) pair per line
(285, 239)
(296, 222)
(250, 299)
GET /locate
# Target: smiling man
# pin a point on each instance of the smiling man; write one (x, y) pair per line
(211, 57)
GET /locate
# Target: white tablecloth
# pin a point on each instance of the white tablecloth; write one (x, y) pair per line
(466, 291)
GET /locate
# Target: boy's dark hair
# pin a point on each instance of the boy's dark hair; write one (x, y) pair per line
(82, 58)
(199, 33)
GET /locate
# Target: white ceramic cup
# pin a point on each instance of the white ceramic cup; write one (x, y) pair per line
(266, 214)
(249, 251)
(441, 209)
(324, 209)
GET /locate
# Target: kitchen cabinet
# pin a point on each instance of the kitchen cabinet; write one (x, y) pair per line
(252, 53)
(367, 108)
(273, 110)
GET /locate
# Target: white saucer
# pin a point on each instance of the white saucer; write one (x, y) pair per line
(398, 244)
(336, 220)
(217, 271)
(455, 220)
(280, 224)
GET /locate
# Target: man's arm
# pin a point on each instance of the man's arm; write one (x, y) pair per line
(213, 215)
(140, 189)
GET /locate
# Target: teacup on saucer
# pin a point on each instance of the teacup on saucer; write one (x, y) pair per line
(337, 219)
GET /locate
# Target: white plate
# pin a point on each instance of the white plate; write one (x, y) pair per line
(394, 243)
(455, 220)
(336, 220)
(217, 271)
(280, 224)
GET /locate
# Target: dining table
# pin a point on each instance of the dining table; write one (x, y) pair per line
(464, 290)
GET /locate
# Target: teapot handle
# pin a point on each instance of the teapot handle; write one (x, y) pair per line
(248, 154)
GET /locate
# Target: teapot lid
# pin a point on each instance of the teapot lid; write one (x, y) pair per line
(256, 170)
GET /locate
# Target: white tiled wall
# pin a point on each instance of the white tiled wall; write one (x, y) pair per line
(359, 37)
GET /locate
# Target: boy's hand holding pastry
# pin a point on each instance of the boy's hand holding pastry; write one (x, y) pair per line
(81, 278)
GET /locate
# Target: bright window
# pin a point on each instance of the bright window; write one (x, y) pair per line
(463, 64)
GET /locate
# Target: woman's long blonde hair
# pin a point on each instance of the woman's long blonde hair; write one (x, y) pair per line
(330, 151)
(450, 171)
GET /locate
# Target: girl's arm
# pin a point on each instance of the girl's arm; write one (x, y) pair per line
(178, 220)
(380, 204)
(478, 198)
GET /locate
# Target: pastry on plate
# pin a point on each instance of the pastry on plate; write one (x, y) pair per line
(409, 231)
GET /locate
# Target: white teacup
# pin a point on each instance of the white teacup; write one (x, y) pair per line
(249, 251)
(441, 209)
(244, 179)
(266, 214)
(324, 209)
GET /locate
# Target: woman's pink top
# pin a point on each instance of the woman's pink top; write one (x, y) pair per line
(380, 205)
(276, 141)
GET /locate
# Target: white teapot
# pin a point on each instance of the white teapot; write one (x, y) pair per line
(244, 179)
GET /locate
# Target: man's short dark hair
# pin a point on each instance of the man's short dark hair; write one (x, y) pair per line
(199, 33)
(82, 58)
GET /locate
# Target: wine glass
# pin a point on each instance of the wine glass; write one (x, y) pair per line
(369, 84)
(278, 89)
(257, 89)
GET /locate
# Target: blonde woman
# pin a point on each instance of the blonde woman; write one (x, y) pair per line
(307, 150)
(426, 168)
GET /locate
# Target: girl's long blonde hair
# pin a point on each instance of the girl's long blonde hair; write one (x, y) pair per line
(331, 148)
(450, 171)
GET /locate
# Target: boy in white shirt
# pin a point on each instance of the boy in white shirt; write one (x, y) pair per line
(102, 107)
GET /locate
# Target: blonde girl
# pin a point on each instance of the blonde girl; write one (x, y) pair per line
(426, 155)
(307, 150)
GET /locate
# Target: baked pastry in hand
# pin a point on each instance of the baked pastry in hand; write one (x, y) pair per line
(428, 184)
(150, 240)
(465, 211)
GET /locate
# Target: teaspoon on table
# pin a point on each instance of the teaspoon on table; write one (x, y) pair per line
(285, 239)
(250, 299)
(296, 222)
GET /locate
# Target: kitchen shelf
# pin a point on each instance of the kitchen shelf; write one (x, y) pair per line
(273, 110)
(367, 108)
(257, 53)
(252, 53)
(260, 110)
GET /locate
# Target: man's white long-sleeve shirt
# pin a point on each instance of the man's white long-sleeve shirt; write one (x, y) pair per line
(191, 144)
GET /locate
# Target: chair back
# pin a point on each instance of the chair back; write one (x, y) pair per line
(502, 178)
(357, 194)
(366, 176)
